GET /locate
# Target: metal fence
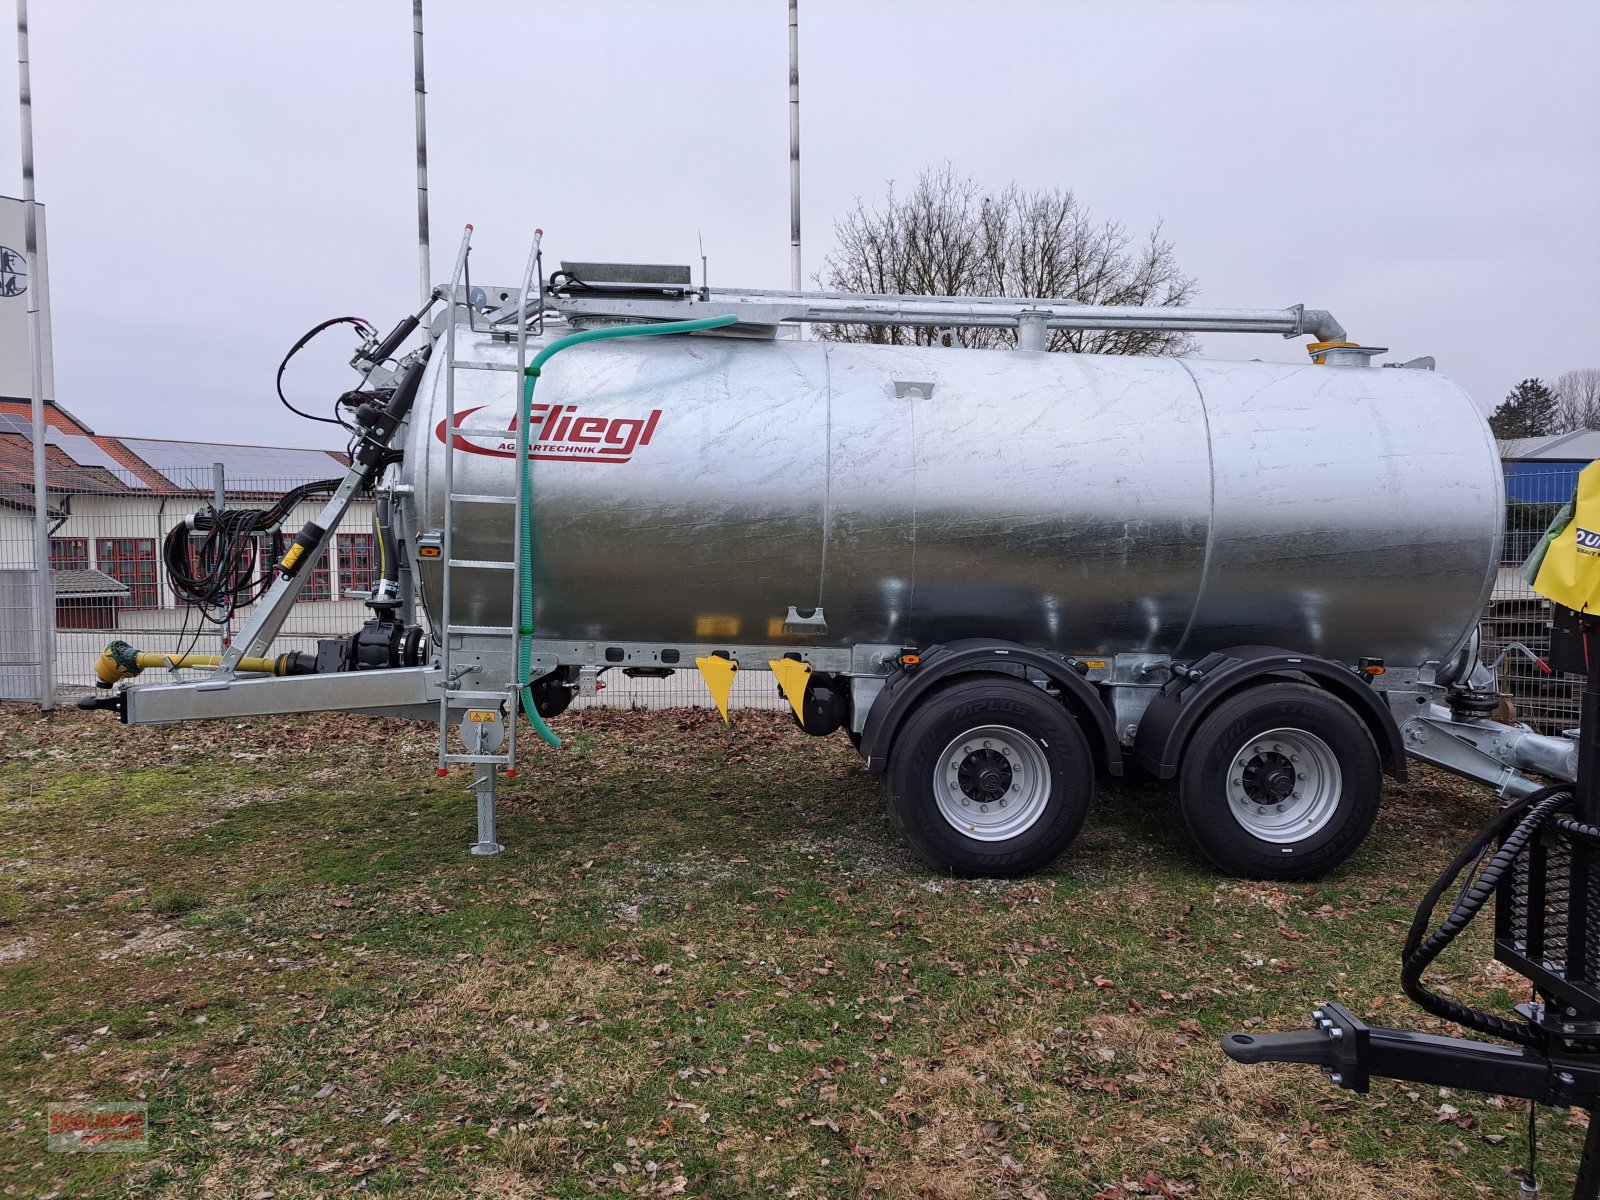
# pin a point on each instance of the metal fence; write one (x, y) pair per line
(110, 583)
(110, 580)
(1516, 614)
(20, 655)
(751, 689)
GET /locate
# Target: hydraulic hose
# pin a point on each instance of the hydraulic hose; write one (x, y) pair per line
(387, 583)
(525, 489)
(1514, 827)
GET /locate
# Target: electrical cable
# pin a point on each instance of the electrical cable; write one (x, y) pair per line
(218, 575)
(183, 632)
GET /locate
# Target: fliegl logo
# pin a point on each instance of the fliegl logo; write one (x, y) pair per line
(1588, 541)
(557, 433)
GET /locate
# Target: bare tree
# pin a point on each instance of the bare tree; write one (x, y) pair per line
(1577, 401)
(950, 238)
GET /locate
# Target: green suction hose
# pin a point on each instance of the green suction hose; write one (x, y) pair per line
(525, 490)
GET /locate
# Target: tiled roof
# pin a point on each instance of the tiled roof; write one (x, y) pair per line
(86, 582)
(182, 468)
(54, 415)
(62, 474)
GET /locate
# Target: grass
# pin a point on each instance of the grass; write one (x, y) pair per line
(704, 966)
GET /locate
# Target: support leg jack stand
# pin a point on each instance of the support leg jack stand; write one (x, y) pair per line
(483, 781)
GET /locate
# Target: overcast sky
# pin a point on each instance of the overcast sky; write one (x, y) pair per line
(219, 177)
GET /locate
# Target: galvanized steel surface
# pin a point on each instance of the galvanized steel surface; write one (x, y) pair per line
(1005, 312)
(692, 489)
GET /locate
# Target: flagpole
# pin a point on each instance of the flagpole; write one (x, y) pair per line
(422, 150)
(44, 592)
(794, 145)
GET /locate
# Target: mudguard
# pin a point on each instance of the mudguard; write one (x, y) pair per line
(938, 663)
(1181, 704)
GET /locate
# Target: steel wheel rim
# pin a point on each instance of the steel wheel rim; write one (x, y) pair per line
(1284, 785)
(992, 783)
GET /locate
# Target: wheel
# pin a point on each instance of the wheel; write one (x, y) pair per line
(1280, 782)
(989, 776)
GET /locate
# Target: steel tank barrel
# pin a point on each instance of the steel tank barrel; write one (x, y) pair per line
(692, 489)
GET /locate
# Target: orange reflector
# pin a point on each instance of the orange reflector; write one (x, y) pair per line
(429, 551)
(910, 660)
(1374, 670)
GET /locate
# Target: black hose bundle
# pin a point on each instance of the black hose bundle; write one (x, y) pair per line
(217, 573)
(1514, 826)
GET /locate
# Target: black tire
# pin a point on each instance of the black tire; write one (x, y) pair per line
(1294, 807)
(855, 738)
(1036, 759)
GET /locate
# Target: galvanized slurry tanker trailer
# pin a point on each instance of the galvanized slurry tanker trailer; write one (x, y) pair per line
(999, 572)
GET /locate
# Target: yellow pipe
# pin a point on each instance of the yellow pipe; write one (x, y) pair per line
(267, 666)
(120, 661)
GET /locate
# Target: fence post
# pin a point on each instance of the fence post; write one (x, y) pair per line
(44, 593)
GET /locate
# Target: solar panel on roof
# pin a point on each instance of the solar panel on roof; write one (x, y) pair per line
(11, 424)
(188, 464)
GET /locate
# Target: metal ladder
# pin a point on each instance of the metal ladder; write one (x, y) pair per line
(489, 744)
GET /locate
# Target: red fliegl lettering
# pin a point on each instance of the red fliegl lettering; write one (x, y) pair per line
(558, 432)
